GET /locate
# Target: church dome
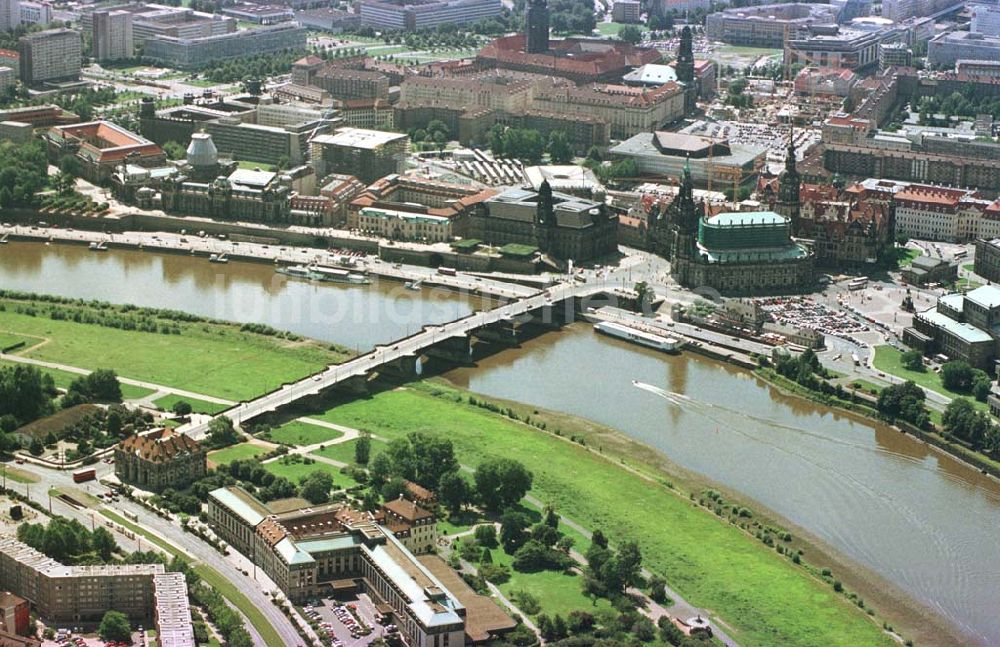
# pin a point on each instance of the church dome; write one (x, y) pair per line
(201, 152)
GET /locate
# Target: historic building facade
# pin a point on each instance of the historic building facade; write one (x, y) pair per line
(159, 460)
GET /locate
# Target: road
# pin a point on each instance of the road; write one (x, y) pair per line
(411, 346)
(170, 531)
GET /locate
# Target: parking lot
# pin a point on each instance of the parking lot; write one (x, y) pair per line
(351, 621)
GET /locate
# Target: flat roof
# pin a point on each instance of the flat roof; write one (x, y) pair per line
(240, 503)
(966, 332)
(359, 138)
(746, 218)
(987, 296)
(483, 617)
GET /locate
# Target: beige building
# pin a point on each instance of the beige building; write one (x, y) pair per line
(491, 91)
(67, 594)
(366, 154)
(415, 527)
(159, 460)
(50, 55)
(112, 35)
(318, 551)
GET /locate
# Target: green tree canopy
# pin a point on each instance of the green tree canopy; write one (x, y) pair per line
(115, 627)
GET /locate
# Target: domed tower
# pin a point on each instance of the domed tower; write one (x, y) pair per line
(685, 70)
(202, 158)
(789, 184)
(536, 27)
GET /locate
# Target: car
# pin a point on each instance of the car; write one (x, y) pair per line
(317, 378)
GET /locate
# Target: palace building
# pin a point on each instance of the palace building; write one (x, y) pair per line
(159, 460)
(733, 253)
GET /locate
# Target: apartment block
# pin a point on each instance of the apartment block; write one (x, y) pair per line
(10, 14)
(193, 53)
(417, 14)
(35, 13)
(366, 154)
(50, 55)
(112, 35)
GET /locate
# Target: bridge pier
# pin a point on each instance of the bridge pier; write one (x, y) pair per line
(502, 333)
(354, 385)
(402, 368)
(457, 350)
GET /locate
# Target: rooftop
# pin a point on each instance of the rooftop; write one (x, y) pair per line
(161, 446)
(987, 296)
(239, 502)
(747, 219)
(359, 138)
(966, 332)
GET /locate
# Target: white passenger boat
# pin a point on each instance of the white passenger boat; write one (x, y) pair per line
(641, 337)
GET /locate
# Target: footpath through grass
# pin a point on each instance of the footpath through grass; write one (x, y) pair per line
(890, 360)
(206, 357)
(766, 599)
(239, 452)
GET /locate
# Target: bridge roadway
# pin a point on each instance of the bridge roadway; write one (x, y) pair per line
(411, 346)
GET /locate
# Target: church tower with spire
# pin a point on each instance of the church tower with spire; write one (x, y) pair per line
(685, 70)
(789, 184)
(684, 215)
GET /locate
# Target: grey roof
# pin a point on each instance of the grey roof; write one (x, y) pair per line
(651, 74)
(641, 145)
(733, 219)
(966, 332)
(988, 296)
(240, 503)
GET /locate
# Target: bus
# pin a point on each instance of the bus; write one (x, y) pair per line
(858, 284)
(447, 271)
(962, 253)
(80, 476)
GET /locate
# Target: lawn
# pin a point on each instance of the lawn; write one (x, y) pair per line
(612, 28)
(12, 473)
(295, 472)
(344, 452)
(905, 255)
(213, 358)
(198, 406)
(297, 432)
(10, 340)
(62, 379)
(241, 451)
(760, 594)
(890, 360)
(969, 267)
(133, 392)
(738, 50)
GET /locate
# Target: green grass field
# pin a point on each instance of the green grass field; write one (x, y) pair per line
(216, 359)
(8, 340)
(198, 406)
(132, 392)
(295, 472)
(344, 452)
(890, 360)
(17, 475)
(969, 267)
(241, 451)
(302, 433)
(612, 28)
(905, 255)
(62, 380)
(760, 594)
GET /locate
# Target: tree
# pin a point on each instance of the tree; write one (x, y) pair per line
(453, 491)
(103, 542)
(560, 151)
(115, 627)
(981, 386)
(221, 432)
(101, 385)
(486, 535)
(904, 401)
(393, 489)
(182, 408)
(956, 375)
(513, 527)
(644, 294)
(630, 34)
(36, 447)
(174, 150)
(913, 360)
(113, 421)
(316, 487)
(380, 469)
(362, 448)
(657, 589)
(501, 482)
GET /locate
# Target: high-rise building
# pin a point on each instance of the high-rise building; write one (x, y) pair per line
(112, 33)
(36, 13)
(536, 27)
(985, 20)
(50, 55)
(10, 14)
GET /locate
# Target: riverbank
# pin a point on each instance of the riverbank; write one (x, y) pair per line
(170, 348)
(761, 595)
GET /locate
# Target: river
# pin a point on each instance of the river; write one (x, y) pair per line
(921, 520)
